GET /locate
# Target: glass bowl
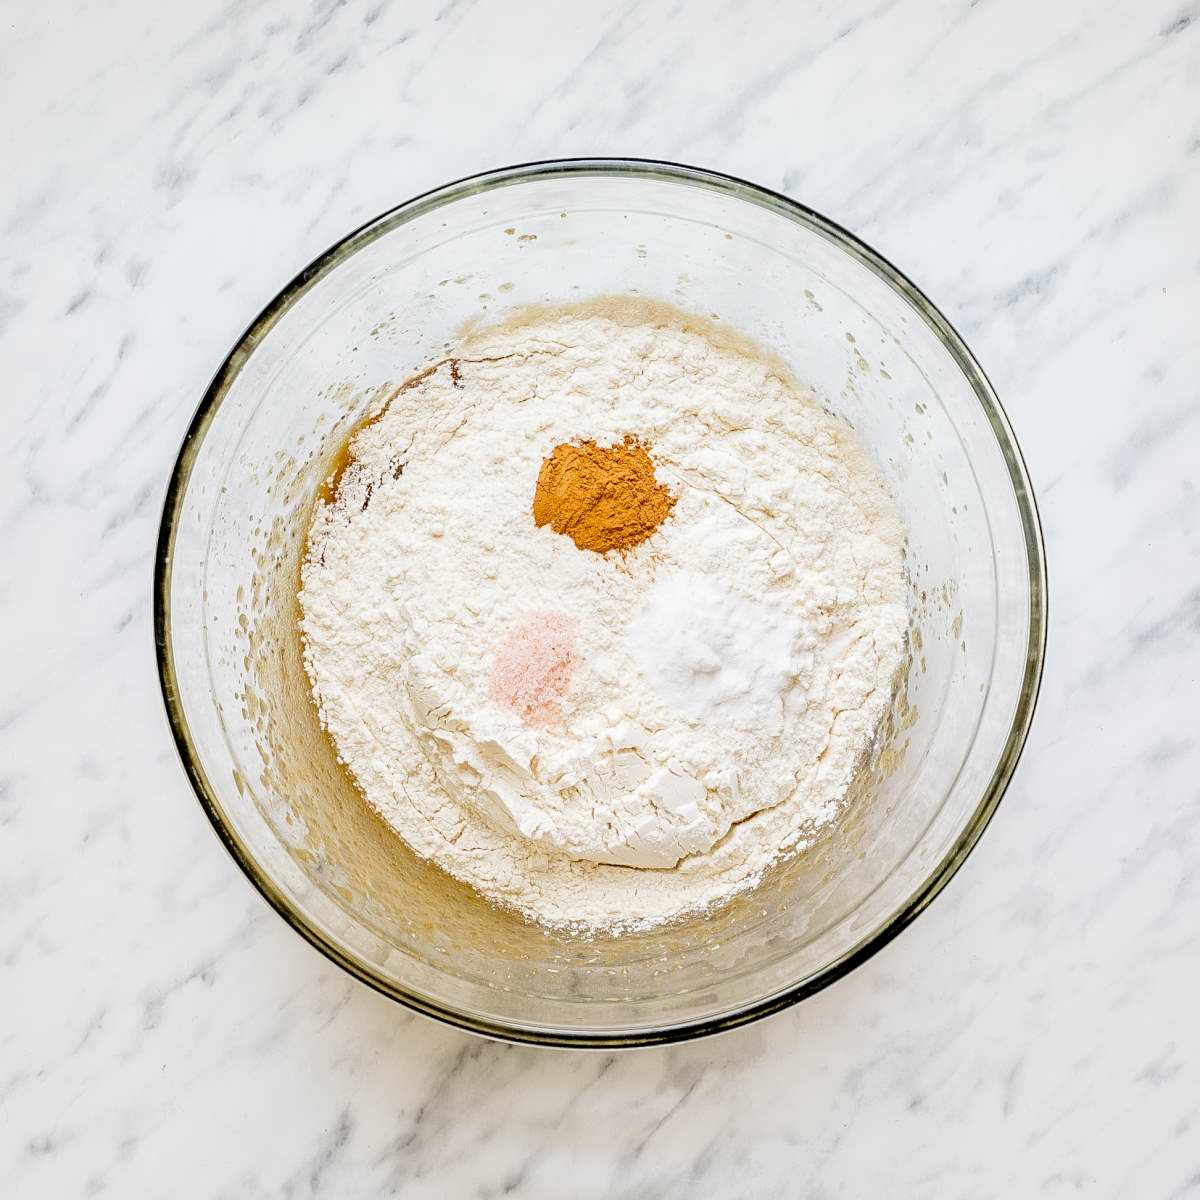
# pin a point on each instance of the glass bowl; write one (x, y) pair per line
(371, 311)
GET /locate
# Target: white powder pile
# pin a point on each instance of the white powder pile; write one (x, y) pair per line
(714, 656)
(700, 703)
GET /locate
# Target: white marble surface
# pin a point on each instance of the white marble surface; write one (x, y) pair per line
(1034, 165)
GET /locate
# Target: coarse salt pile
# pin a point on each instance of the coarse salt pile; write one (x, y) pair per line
(533, 667)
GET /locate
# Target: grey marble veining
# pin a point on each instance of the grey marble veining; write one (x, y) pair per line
(1034, 166)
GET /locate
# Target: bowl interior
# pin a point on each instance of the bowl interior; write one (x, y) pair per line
(380, 306)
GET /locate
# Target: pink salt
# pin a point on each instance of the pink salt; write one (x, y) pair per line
(533, 667)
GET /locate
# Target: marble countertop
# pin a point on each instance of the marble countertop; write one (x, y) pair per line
(1034, 166)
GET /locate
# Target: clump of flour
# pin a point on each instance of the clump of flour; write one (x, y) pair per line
(711, 691)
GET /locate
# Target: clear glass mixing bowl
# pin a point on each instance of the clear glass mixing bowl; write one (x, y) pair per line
(379, 305)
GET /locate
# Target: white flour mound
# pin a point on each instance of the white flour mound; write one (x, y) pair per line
(733, 670)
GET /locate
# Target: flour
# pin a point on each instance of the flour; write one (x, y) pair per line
(726, 677)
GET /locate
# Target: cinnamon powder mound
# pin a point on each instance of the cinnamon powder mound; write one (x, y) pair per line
(533, 667)
(602, 497)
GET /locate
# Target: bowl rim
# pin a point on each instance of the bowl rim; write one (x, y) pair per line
(658, 171)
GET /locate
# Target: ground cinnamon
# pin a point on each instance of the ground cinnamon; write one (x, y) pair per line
(602, 497)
